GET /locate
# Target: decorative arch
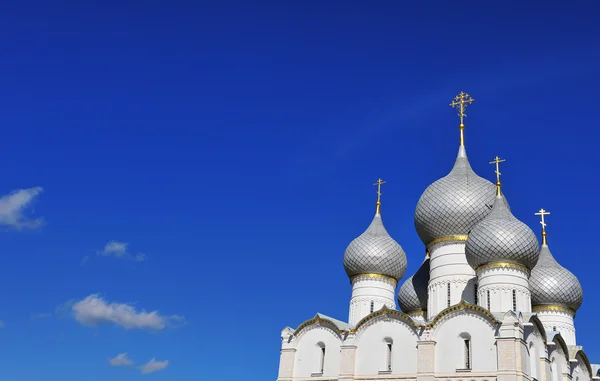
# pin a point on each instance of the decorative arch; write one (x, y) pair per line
(537, 323)
(560, 343)
(385, 313)
(319, 321)
(580, 356)
(464, 307)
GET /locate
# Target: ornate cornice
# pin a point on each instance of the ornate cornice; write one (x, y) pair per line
(318, 321)
(463, 306)
(386, 312)
(502, 265)
(550, 308)
(454, 238)
(374, 276)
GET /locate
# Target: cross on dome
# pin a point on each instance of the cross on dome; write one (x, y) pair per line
(497, 161)
(542, 213)
(460, 103)
(379, 183)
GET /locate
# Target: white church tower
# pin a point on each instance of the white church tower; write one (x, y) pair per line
(374, 263)
(445, 213)
(502, 250)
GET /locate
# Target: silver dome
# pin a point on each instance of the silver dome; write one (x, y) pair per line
(500, 237)
(375, 252)
(552, 284)
(455, 203)
(413, 293)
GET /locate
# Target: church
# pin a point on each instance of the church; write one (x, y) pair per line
(488, 302)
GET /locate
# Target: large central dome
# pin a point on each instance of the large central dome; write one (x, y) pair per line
(452, 205)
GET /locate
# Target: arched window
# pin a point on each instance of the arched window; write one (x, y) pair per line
(372, 306)
(476, 296)
(389, 343)
(448, 294)
(488, 301)
(465, 342)
(554, 328)
(514, 295)
(321, 357)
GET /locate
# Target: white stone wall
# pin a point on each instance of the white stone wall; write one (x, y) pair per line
(308, 352)
(501, 282)
(448, 266)
(372, 348)
(380, 291)
(449, 335)
(514, 350)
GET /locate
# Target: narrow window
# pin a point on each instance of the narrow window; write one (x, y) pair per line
(448, 294)
(389, 357)
(476, 296)
(322, 361)
(372, 306)
(488, 301)
(514, 300)
(554, 328)
(467, 354)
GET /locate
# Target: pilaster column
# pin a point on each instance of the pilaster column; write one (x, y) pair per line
(426, 360)
(286, 364)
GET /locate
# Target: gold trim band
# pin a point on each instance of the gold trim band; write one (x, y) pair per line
(448, 238)
(374, 276)
(503, 265)
(553, 309)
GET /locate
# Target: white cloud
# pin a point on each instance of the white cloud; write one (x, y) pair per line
(153, 366)
(94, 310)
(13, 206)
(119, 250)
(2, 324)
(121, 360)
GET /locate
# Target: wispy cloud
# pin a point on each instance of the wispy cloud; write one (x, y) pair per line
(40, 316)
(121, 360)
(95, 310)
(118, 250)
(153, 366)
(14, 205)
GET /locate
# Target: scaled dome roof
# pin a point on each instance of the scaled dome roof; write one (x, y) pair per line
(552, 284)
(501, 237)
(375, 252)
(452, 205)
(413, 293)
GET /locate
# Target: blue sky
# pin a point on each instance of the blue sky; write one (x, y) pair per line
(180, 180)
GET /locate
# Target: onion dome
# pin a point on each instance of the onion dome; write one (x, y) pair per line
(501, 237)
(374, 251)
(413, 292)
(550, 283)
(553, 285)
(452, 205)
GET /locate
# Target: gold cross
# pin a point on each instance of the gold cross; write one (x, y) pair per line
(543, 213)
(379, 183)
(460, 102)
(497, 161)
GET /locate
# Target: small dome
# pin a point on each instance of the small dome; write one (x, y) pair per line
(455, 203)
(500, 237)
(375, 252)
(552, 284)
(413, 292)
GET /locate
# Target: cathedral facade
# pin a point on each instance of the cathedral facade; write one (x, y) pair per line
(488, 302)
